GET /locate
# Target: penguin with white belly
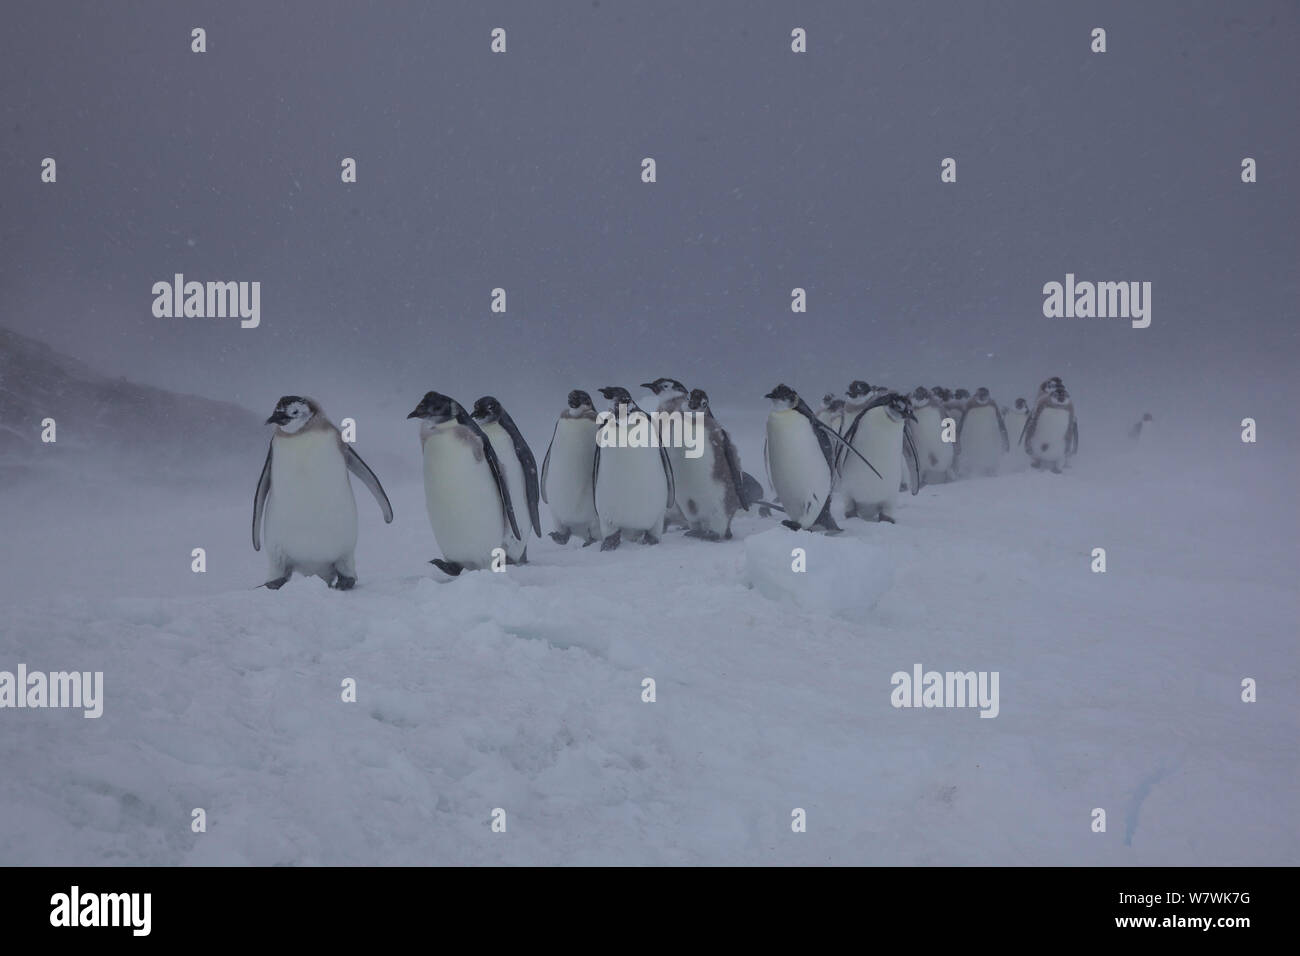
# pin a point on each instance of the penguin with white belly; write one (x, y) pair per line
(933, 453)
(465, 488)
(800, 453)
(567, 469)
(520, 469)
(882, 435)
(671, 396)
(1015, 419)
(832, 412)
(1051, 434)
(632, 474)
(304, 499)
(982, 436)
(710, 488)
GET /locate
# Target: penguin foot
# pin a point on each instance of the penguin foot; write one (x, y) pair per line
(792, 525)
(523, 559)
(706, 535)
(1056, 469)
(851, 510)
(447, 567)
(589, 542)
(561, 538)
(612, 542)
(648, 538)
(276, 584)
(344, 583)
(886, 518)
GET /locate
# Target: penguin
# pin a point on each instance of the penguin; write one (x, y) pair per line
(633, 479)
(934, 454)
(801, 461)
(856, 397)
(304, 497)
(1051, 434)
(567, 470)
(1015, 419)
(882, 434)
(981, 437)
(519, 467)
(712, 487)
(955, 405)
(672, 396)
(465, 488)
(832, 412)
(1136, 431)
(1044, 391)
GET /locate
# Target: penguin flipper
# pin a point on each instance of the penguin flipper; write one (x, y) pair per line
(1072, 437)
(369, 479)
(546, 462)
(668, 474)
(494, 465)
(910, 459)
(529, 464)
(753, 493)
(733, 465)
(1002, 427)
(259, 498)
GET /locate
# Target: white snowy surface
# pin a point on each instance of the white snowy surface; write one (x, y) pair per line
(522, 690)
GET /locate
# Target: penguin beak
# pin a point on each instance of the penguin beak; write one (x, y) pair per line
(278, 418)
(649, 385)
(414, 414)
(770, 395)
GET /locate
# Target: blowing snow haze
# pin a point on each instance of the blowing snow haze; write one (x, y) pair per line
(522, 171)
(961, 195)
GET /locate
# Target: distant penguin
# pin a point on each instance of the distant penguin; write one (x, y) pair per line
(632, 478)
(1051, 435)
(710, 488)
(982, 438)
(832, 412)
(305, 500)
(954, 406)
(566, 471)
(1135, 432)
(465, 487)
(881, 433)
(935, 454)
(856, 397)
(801, 461)
(671, 396)
(1015, 419)
(520, 468)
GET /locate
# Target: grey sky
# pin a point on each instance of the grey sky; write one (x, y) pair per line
(775, 170)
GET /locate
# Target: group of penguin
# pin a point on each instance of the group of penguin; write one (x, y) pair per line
(482, 485)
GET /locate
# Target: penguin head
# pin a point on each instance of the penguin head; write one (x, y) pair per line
(661, 385)
(982, 396)
(1022, 405)
(899, 408)
(836, 405)
(827, 399)
(436, 408)
(486, 410)
(1059, 396)
(699, 400)
(783, 396)
(1051, 385)
(1146, 416)
(961, 395)
(579, 399)
(858, 388)
(941, 393)
(617, 396)
(920, 395)
(292, 413)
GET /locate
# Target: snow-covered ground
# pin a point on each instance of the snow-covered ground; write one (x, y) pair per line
(523, 690)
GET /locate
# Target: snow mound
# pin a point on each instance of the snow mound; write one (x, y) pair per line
(843, 575)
